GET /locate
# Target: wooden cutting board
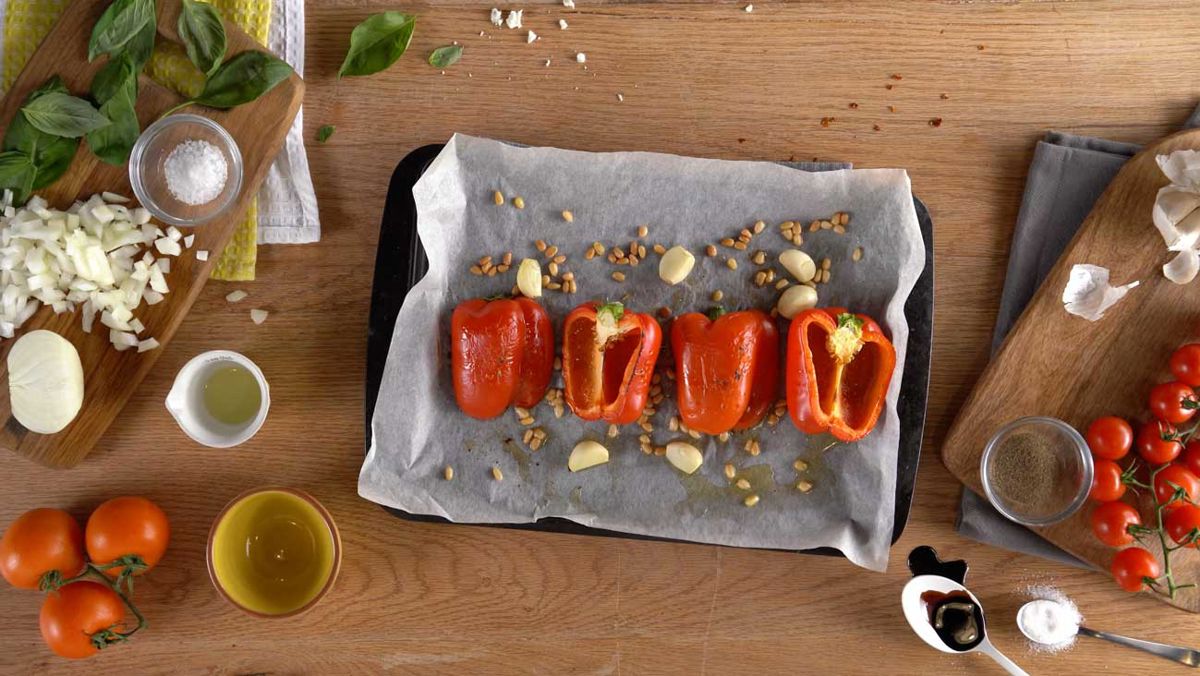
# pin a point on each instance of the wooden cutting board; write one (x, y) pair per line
(110, 377)
(1056, 364)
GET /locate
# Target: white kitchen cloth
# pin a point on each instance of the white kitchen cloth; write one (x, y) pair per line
(287, 204)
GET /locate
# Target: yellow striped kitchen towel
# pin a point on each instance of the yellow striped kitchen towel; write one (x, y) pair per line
(28, 21)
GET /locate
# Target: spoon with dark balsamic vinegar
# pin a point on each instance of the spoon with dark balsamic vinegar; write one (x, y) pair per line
(943, 612)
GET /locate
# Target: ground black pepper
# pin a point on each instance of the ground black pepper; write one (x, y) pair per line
(1028, 473)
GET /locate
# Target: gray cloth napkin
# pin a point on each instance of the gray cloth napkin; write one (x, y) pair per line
(1067, 176)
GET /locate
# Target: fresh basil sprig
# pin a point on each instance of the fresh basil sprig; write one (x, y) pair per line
(17, 173)
(203, 35)
(377, 42)
(115, 88)
(325, 132)
(120, 23)
(444, 57)
(243, 79)
(60, 114)
(113, 77)
(49, 155)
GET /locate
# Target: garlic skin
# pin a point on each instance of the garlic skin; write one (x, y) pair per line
(1088, 293)
(1183, 267)
(45, 381)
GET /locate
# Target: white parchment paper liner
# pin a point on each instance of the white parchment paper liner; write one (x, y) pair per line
(418, 429)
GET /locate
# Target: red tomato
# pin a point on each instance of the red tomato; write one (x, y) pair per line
(1111, 521)
(1174, 402)
(1170, 477)
(1181, 522)
(1191, 456)
(1106, 482)
(39, 541)
(1131, 566)
(127, 526)
(1157, 444)
(72, 614)
(1185, 364)
(1109, 437)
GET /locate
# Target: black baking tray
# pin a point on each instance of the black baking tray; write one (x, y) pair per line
(400, 263)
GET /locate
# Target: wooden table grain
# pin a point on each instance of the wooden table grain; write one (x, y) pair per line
(699, 79)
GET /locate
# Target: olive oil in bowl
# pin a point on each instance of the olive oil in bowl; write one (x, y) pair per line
(232, 394)
(274, 552)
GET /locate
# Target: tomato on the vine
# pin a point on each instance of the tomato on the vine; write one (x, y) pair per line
(1175, 475)
(1111, 522)
(40, 541)
(1106, 482)
(1109, 437)
(1131, 567)
(127, 526)
(1191, 456)
(1157, 442)
(1181, 522)
(1174, 402)
(71, 615)
(1185, 364)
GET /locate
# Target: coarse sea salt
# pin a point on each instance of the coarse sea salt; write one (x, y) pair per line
(196, 172)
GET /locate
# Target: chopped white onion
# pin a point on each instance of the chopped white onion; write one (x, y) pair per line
(147, 345)
(258, 316)
(202, 255)
(236, 296)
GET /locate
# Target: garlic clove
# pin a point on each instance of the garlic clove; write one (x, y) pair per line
(1182, 167)
(1176, 217)
(529, 278)
(676, 265)
(798, 264)
(684, 457)
(796, 299)
(587, 453)
(1183, 267)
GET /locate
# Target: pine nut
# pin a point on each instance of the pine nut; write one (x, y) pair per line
(804, 486)
(839, 229)
(553, 268)
(723, 437)
(710, 250)
(476, 270)
(560, 259)
(613, 431)
(781, 284)
(750, 501)
(598, 248)
(519, 202)
(590, 254)
(717, 296)
(568, 216)
(448, 472)
(740, 246)
(618, 276)
(660, 249)
(826, 263)
(497, 474)
(857, 255)
(759, 226)
(743, 484)
(507, 258)
(731, 264)
(485, 261)
(727, 241)
(800, 465)
(759, 258)
(642, 231)
(730, 471)
(539, 244)
(551, 251)
(641, 251)
(498, 198)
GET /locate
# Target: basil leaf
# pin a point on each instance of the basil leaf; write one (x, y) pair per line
(325, 132)
(243, 79)
(377, 42)
(203, 34)
(114, 142)
(444, 57)
(63, 115)
(141, 46)
(116, 75)
(16, 172)
(120, 23)
(51, 155)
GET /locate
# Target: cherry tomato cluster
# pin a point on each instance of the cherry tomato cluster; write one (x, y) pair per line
(1170, 471)
(88, 573)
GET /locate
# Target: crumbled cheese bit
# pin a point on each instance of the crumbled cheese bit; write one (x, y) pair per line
(236, 296)
(749, 8)
(258, 316)
(531, 38)
(620, 96)
(202, 255)
(581, 58)
(547, 63)
(562, 24)
(569, 4)
(497, 19)
(513, 20)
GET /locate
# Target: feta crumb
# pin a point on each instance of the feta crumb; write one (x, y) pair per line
(529, 39)
(547, 63)
(749, 8)
(620, 97)
(562, 24)
(258, 316)
(481, 34)
(569, 4)
(497, 19)
(513, 20)
(581, 58)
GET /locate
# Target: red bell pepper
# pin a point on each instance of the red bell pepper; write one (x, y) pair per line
(608, 360)
(502, 353)
(727, 369)
(839, 366)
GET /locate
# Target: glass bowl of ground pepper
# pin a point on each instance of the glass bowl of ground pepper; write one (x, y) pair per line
(186, 169)
(1036, 471)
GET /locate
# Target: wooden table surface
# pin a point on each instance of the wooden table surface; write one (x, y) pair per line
(699, 79)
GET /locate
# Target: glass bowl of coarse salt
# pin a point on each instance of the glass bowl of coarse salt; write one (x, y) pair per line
(186, 169)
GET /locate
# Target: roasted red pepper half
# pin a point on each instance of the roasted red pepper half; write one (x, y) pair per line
(839, 366)
(608, 360)
(726, 369)
(502, 354)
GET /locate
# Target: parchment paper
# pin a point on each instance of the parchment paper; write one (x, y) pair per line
(418, 430)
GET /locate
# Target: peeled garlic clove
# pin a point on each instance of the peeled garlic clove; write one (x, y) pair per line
(797, 299)
(685, 457)
(798, 264)
(45, 381)
(676, 265)
(529, 278)
(1183, 267)
(587, 453)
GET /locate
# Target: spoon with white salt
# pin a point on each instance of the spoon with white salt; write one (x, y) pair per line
(1052, 623)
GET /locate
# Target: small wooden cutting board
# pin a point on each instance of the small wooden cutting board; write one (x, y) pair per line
(1056, 364)
(110, 377)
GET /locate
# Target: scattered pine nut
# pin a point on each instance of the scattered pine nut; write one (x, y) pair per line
(750, 501)
(568, 216)
(560, 259)
(742, 484)
(613, 431)
(642, 251)
(800, 465)
(551, 251)
(642, 231)
(618, 276)
(717, 296)
(519, 202)
(506, 259)
(660, 249)
(739, 245)
(598, 248)
(731, 264)
(723, 437)
(673, 424)
(448, 472)
(497, 474)
(759, 226)
(857, 255)
(826, 263)
(476, 270)
(781, 284)
(553, 268)
(539, 244)
(727, 241)
(498, 198)
(759, 258)
(730, 471)
(804, 486)
(710, 250)
(839, 229)
(589, 254)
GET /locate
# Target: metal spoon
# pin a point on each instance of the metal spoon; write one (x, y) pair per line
(917, 614)
(1174, 653)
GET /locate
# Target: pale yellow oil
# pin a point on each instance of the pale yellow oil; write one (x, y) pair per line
(232, 395)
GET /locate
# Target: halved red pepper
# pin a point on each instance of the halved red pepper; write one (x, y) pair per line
(727, 369)
(839, 366)
(502, 354)
(608, 360)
